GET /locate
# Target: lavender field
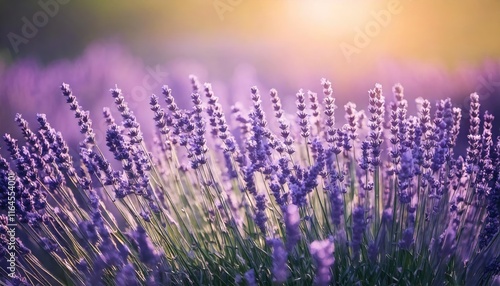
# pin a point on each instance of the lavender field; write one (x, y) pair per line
(284, 198)
(153, 145)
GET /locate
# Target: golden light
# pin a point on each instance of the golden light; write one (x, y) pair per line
(330, 16)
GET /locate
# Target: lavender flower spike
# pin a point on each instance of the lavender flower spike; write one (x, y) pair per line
(83, 116)
(292, 221)
(250, 278)
(302, 115)
(359, 224)
(280, 257)
(260, 216)
(322, 254)
(147, 251)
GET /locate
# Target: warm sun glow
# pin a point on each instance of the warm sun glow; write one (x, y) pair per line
(332, 16)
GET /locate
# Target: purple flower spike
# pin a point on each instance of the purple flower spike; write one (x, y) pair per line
(284, 125)
(322, 253)
(376, 108)
(83, 116)
(129, 119)
(147, 252)
(261, 216)
(473, 151)
(358, 228)
(126, 276)
(197, 141)
(352, 118)
(302, 115)
(329, 103)
(159, 115)
(250, 278)
(280, 257)
(407, 239)
(292, 221)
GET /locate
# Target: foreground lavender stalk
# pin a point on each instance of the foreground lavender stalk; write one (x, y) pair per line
(322, 254)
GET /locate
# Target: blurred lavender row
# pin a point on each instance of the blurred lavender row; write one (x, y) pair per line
(28, 87)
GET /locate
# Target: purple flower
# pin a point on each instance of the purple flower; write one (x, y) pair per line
(49, 244)
(218, 122)
(280, 256)
(83, 116)
(337, 205)
(248, 178)
(260, 215)
(159, 115)
(443, 124)
(126, 276)
(315, 110)
(407, 238)
(21, 247)
(129, 120)
(405, 176)
(329, 103)
(376, 108)
(292, 222)
(311, 176)
(108, 174)
(322, 254)
(275, 187)
(12, 147)
(250, 278)
(285, 172)
(358, 228)
(352, 118)
(373, 251)
(197, 142)
(89, 230)
(145, 215)
(275, 99)
(283, 123)
(31, 138)
(473, 150)
(303, 117)
(258, 145)
(117, 143)
(365, 160)
(457, 116)
(232, 173)
(447, 241)
(298, 193)
(147, 252)
(485, 164)
(492, 223)
(108, 117)
(333, 186)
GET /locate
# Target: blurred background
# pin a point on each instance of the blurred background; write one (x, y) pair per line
(436, 49)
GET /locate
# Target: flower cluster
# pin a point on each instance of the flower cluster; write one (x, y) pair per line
(244, 199)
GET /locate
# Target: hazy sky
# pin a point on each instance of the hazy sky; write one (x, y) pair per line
(308, 31)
